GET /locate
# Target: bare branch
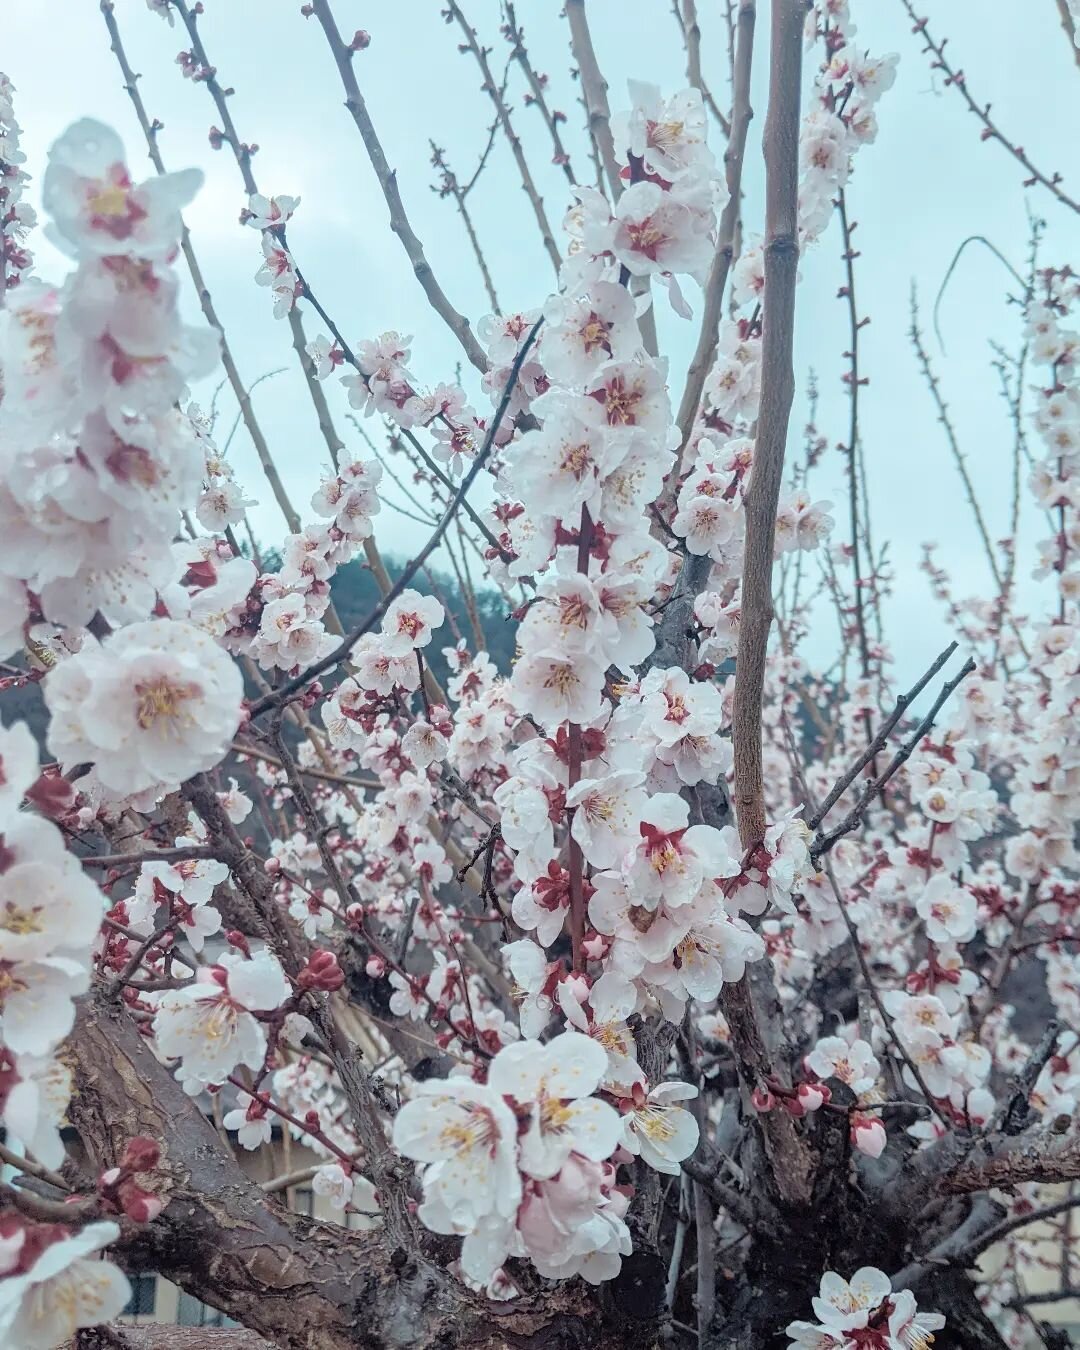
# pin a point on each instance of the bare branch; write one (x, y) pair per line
(399, 221)
(880, 740)
(934, 385)
(777, 391)
(851, 821)
(502, 112)
(594, 87)
(516, 36)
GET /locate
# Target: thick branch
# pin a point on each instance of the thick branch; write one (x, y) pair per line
(303, 1285)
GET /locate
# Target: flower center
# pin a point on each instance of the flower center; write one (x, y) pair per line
(159, 705)
(20, 921)
(474, 1130)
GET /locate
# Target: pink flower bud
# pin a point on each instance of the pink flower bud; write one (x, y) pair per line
(139, 1205)
(811, 1096)
(375, 967)
(761, 1099)
(321, 972)
(237, 939)
(868, 1135)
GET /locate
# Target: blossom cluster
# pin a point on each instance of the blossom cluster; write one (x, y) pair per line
(577, 796)
(17, 217)
(96, 460)
(525, 1163)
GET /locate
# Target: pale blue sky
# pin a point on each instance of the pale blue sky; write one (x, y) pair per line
(924, 186)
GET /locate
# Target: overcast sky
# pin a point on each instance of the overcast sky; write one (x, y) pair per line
(928, 183)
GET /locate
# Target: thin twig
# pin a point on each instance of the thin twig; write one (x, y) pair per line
(934, 385)
(387, 177)
(515, 35)
(880, 740)
(479, 52)
(823, 843)
(991, 131)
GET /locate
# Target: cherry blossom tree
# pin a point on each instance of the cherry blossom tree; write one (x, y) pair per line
(653, 991)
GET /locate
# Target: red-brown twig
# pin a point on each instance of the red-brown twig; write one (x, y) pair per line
(854, 380)
(515, 35)
(991, 131)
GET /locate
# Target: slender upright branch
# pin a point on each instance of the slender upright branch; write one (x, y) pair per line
(515, 34)
(450, 186)
(594, 87)
(854, 380)
(777, 390)
(691, 31)
(934, 385)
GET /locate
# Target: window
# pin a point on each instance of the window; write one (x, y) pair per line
(191, 1312)
(143, 1295)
